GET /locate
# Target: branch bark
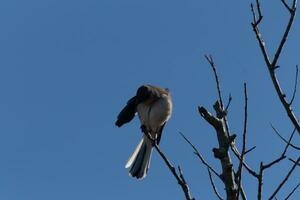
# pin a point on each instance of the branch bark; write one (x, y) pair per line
(240, 168)
(272, 65)
(179, 177)
(222, 152)
(285, 179)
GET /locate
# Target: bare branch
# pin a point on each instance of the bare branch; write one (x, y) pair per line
(283, 156)
(222, 151)
(292, 192)
(220, 122)
(197, 153)
(243, 194)
(213, 184)
(180, 178)
(239, 172)
(289, 142)
(221, 112)
(274, 162)
(259, 12)
(238, 155)
(212, 64)
(256, 20)
(258, 35)
(286, 6)
(209, 117)
(294, 5)
(273, 65)
(260, 181)
(285, 179)
(293, 161)
(249, 150)
(228, 104)
(285, 104)
(286, 33)
(295, 86)
(282, 138)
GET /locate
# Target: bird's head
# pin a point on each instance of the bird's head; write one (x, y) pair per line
(143, 93)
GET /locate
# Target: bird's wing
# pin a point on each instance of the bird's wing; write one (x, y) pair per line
(127, 113)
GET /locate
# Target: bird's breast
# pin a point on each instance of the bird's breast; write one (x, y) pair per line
(154, 115)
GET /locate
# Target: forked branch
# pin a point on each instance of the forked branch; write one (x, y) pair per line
(179, 176)
(272, 64)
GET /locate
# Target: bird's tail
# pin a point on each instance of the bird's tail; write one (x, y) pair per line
(140, 159)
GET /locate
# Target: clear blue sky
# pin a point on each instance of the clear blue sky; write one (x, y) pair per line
(68, 67)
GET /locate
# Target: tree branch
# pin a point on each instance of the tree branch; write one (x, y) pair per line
(213, 184)
(295, 162)
(286, 6)
(292, 192)
(260, 181)
(272, 65)
(283, 156)
(212, 64)
(249, 150)
(240, 168)
(222, 112)
(285, 179)
(282, 138)
(286, 32)
(180, 178)
(197, 153)
(295, 87)
(222, 152)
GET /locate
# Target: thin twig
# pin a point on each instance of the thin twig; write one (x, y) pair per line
(212, 64)
(243, 194)
(285, 179)
(240, 168)
(256, 20)
(258, 35)
(259, 12)
(213, 184)
(283, 156)
(289, 142)
(228, 104)
(286, 6)
(197, 153)
(282, 138)
(249, 150)
(274, 162)
(180, 179)
(295, 86)
(292, 192)
(260, 181)
(285, 35)
(247, 167)
(223, 112)
(293, 161)
(273, 65)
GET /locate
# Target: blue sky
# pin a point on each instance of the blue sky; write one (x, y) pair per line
(68, 67)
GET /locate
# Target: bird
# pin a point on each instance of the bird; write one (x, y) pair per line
(153, 105)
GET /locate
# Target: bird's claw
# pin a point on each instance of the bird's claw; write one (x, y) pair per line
(146, 132)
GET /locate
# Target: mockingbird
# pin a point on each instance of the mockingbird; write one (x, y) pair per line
(154, 107)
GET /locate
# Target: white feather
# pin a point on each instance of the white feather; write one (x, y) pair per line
(133, 156)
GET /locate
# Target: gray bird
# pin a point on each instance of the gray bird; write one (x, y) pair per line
(154, 107)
